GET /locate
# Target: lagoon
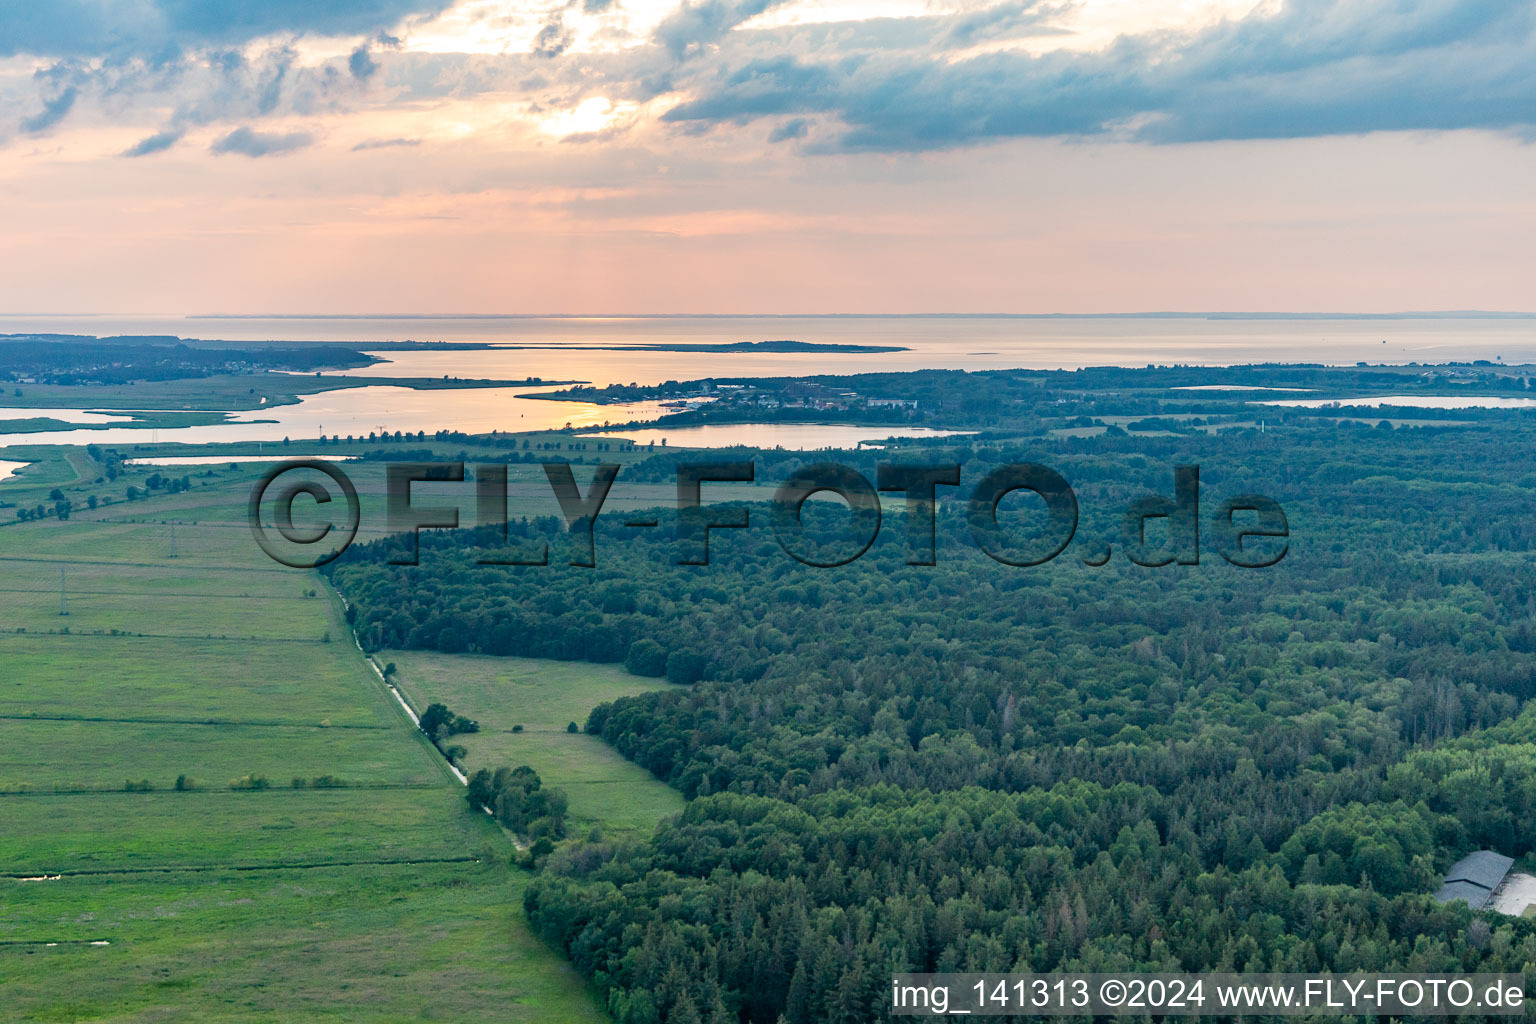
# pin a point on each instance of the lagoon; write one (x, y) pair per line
(930, 342)
(373, 409)
(1409, 402)
(605, 350)
(792, 436)
(1234, 387)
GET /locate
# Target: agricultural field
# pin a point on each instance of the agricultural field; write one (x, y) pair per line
(213, 809)
(525, 708)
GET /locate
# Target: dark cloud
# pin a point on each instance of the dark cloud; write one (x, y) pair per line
(1317, 67)
(271, 77)
(146, 28)
(217, 90)
(361, 64)
(554, 38)
(765, 88)
(697, 24)
(1312, 67)
(229, 21)
(186, 53)
(975, 27)
(795, 128)
(52, 113)
(157, 143)
(384, 144)
(248, 142)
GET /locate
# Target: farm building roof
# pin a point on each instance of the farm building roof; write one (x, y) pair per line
(1484, 868)
(1474, 877)
(1476, 896)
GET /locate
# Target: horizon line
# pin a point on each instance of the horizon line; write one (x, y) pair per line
(1444, 314)
(1441, 314)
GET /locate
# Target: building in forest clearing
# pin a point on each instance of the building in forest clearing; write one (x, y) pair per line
(1475, 878)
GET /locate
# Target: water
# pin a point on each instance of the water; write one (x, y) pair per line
(1411, 402)
(365, 410)
(970, 343)
(794, 436)
(8, 469)
(568, 351)
(1234, 387)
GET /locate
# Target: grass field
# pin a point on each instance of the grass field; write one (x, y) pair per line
(219, 829)
(43, 754)
(393, 902)
(181, 680)
(543, 697)
(419, 942)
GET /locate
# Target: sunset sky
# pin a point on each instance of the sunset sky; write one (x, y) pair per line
(417, 156)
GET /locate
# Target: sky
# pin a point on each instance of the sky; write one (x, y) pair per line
(766, 156)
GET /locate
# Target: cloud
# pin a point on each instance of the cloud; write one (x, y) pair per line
(974, 27)
(52, 113)
(792, 129)
(157, 143)
(158, 28)
(230, 21)
(981, 73)
(1317, 67)
(696, 24)
(554, 38)
(384, 144)
(361, 64)
(247, 142)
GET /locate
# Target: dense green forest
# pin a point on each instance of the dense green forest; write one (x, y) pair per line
(976, 766)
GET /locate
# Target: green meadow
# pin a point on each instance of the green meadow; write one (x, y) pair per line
(189, 615)
(393, 943)
(319, 861)
(216, 829)
(184, 680)
(525, 708)
(41, 754)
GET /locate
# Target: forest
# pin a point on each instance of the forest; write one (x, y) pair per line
(975, 766)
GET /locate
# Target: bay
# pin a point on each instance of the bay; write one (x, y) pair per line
(621, 350)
